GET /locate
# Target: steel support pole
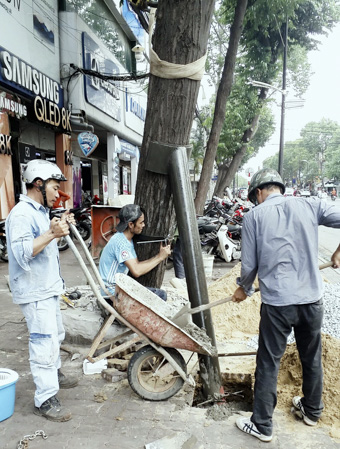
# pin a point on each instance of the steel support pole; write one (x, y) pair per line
(178, 171)
(283, 104)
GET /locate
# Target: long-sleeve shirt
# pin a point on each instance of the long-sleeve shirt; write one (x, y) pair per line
(280, 244)
(32, 278)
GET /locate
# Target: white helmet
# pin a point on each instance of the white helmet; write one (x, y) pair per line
(39, 168)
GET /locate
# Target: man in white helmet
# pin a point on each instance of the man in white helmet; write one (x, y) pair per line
(35, 281)
(280, 245)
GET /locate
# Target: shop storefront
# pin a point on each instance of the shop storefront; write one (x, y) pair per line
(109, 107)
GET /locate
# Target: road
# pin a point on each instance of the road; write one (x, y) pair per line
(329, 238)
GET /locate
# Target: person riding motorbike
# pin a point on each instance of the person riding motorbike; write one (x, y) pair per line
(333, 194)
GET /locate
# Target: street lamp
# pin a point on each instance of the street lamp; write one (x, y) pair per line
(283, 92)
(265, 85)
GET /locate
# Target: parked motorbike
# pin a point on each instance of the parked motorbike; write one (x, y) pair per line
(3, 242)
(82, 216)
(220, 241)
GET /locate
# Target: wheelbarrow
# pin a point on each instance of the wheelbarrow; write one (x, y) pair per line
(157, 371)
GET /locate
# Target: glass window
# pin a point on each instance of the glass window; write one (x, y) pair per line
(101, 21)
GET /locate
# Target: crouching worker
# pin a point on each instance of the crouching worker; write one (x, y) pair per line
(34, 275)
(119, 255)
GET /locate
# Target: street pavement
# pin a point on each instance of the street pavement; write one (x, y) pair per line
(111, 415)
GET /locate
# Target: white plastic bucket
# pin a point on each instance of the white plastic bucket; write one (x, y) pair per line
(8, 379)
(208, 263)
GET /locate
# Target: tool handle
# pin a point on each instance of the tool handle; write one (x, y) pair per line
(213, 304)
(325, 265)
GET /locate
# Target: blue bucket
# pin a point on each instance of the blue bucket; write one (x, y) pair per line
(8, 379)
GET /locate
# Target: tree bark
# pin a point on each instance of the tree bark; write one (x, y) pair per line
(229, 172)
(181, 36)
(220, 105)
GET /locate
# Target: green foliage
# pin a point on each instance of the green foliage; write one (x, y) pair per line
(314, 156)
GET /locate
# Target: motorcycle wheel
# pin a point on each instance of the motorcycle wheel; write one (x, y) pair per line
(84, 230)
(62, 244)
(3, 253)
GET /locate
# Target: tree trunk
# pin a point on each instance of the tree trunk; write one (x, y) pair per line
(220, 105)
(221, 178)
(229, 172)
(181, 36)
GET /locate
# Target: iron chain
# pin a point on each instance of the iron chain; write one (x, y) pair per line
(23, 444)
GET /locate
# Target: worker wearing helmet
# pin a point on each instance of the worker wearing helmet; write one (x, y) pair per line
(35, 281)
(280, 246)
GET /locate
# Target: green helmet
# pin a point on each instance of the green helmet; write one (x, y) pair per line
(262, 178)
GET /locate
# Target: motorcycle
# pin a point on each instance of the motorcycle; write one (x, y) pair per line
(3, 242)
(222, 241)
(82, 217)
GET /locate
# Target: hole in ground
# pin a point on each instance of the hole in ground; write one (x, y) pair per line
(238, 396)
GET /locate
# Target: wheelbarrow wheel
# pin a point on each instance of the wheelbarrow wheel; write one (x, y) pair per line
(152, 377)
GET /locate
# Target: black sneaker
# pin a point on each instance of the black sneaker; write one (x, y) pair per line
(66, 382)
(53, 411)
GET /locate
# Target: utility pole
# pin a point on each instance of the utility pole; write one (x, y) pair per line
(283, 103)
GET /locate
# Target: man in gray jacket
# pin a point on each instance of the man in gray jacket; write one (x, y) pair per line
(280, 245)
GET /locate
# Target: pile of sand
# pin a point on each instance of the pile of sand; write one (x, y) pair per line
(290, 376)
(232, 320)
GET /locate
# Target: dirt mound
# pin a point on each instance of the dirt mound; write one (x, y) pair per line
(233, 320)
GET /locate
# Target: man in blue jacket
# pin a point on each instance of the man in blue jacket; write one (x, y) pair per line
(35, 281)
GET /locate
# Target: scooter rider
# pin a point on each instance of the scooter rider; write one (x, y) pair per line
(280, 245)
(34, 275)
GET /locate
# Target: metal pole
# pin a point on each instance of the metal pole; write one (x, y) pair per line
(178, 170)
(283, 103)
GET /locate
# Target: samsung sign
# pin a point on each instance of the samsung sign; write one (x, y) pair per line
(100, 93)
(46, 93)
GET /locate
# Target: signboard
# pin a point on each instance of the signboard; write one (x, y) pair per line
(88, 142)
(100, 93)
(135, 111)
(128, 150)
(45, 95)
(26, 152)
(12, 105)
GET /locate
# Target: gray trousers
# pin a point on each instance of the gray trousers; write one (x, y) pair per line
(275, 326)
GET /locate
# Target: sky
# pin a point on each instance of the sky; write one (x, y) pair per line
(322, 99)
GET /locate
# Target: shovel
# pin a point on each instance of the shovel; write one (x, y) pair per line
(182, 318)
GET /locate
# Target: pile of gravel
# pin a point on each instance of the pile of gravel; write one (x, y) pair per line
(331, 320)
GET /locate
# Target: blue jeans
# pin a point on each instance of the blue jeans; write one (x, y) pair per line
(275, 326)
(178, 260)
(44, 323)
